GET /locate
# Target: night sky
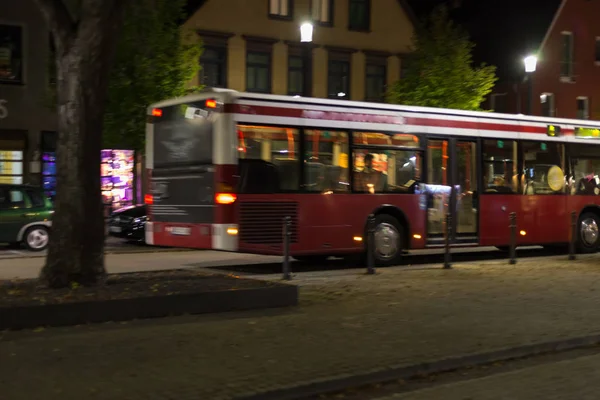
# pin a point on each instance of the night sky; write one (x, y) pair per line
(504, 31)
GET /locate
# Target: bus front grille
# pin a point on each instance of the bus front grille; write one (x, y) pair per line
(262, 222)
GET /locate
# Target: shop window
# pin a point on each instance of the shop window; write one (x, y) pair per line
(359, 16)
(375, 82)
(11, 166)
(326, 161)
(258, 72)
(268, 159)
(214, 67)
(339, 79)
(280, 9)
(543, 168)
(500, 175)
(117, 178)
(321, 11)
(11, 54)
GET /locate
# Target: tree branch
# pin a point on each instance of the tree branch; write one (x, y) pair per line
(59, 21)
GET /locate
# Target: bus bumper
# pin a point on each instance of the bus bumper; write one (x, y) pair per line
(200, 236)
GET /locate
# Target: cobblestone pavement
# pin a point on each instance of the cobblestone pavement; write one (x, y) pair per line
(347, 323)
(565, 380)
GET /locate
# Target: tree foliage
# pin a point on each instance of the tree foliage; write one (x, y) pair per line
(155, 61)
(440, 71)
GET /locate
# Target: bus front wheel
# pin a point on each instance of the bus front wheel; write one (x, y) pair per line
(589, 232)
(387, 240)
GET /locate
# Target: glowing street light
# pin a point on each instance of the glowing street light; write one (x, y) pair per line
(530, 64)
(306, 32)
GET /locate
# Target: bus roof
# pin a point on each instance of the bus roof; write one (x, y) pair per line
(230, 96)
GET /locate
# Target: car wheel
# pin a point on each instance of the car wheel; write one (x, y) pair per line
(388, 240)
(37, 238)
(588, 231)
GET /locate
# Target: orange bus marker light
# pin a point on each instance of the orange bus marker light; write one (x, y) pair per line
(232, 231)
(522, 233)
(417, 236)
(358, 238)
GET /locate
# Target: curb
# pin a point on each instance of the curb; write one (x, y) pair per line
(110, 251)
(328, 385)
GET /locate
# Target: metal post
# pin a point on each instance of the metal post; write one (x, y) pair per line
(287, 234)
(371, 245)
(447, 237)
(512, 223)
(573, 235)
(530, 94)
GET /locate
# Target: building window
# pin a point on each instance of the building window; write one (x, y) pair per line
(49, 163)
(547, 100)
(359, 16)
(339, 79)
(214, 67)
(375, 82)
(566, 65)
(295, 75)
(11, 54)
(258, 72)
(597, 50)
(583, 108)
(52, 72)
(280, 9)
(322, 11)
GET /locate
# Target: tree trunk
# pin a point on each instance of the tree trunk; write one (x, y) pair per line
(85, 49)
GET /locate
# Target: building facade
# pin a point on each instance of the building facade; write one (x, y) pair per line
(28, 120)
(566, 82)
(356, 49)
(27, 124)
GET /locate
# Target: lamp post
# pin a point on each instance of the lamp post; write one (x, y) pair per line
(306, 36)
(530, 65)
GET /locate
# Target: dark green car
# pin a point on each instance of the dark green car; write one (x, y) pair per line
(25, 216)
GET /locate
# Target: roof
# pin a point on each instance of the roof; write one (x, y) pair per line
(552, 24)
(194, 5)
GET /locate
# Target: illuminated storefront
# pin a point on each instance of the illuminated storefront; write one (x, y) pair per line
(117, 170)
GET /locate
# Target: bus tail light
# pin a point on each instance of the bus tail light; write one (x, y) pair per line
(225, 198)
(156, 112)
(148, 199)
(211, 103)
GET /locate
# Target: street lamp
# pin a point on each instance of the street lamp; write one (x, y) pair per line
(530, 65)
(306, 37)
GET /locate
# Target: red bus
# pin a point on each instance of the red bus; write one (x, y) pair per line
(225, 168)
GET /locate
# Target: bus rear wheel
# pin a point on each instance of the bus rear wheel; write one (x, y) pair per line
(588, 231)
(388, 240)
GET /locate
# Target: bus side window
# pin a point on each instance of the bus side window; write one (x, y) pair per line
(258, 177)
(326, 161)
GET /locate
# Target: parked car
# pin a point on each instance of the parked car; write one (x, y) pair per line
(129, 223)
(25, 216)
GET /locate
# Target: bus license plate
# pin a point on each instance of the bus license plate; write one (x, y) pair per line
(180, 231)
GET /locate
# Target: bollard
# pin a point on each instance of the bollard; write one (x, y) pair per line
(512, 224)
(448, 235)
(573, 235)
(371, 244)
(287, 235)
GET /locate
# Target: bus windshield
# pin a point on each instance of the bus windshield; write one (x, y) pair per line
(183, 135)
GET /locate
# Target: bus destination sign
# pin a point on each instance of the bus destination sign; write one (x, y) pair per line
(593, 133)
(553, 130)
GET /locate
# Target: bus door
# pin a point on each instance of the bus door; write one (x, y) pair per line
(451, 187)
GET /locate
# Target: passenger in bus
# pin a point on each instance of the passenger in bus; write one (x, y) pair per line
(370, 180)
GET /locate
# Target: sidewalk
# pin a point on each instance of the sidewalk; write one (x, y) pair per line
(347, 323)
